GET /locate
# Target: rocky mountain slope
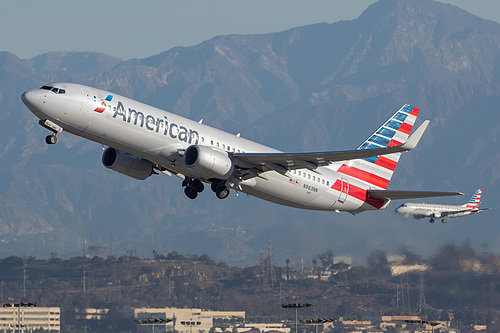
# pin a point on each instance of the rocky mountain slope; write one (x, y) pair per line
(324, 86)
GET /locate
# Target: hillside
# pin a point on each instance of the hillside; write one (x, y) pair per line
(456, 280)
(318, 87)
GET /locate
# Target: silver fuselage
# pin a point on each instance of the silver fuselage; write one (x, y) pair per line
(157, 136)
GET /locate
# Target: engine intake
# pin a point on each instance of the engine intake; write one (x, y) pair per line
(126, 164)
(208, 162)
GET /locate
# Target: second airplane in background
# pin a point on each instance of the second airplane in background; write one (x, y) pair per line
(143, 140)
(435, 211)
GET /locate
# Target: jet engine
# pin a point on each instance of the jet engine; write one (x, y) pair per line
(126, 164)
(208, 162)
(437, 215)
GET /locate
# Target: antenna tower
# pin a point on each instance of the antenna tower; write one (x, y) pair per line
(272, 275)
(421, 294)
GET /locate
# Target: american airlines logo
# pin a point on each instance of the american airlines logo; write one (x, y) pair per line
(100, 109)
(158, 125)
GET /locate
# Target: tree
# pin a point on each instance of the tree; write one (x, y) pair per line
(326, 259)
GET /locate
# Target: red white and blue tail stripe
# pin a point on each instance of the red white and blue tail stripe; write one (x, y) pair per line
(377, 171)
(474, 201)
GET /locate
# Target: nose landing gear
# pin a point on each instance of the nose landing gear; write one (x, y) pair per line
(50, 139)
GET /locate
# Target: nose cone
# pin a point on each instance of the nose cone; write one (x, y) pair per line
(399, 209)
(31, 99)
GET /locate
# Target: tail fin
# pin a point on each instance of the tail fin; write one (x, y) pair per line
(475, 200)
(377, 171)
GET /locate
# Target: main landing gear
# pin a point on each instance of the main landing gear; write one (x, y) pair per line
(220, 189)
(442, 220)
(194, 186)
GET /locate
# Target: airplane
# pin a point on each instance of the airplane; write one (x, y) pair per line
(143, 140)
(434, 211)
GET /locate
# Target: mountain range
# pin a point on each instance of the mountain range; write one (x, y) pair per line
(320, 87)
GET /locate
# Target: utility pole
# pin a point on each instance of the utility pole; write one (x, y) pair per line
(19, 316)
(24, 277)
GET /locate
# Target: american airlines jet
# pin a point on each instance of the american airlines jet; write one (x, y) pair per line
(435, 211)
(143, 140)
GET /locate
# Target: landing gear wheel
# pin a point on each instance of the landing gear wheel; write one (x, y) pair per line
(443, 221)
(431, 220)
(190, 193)
(197, 186)
(51, 139)
(222, 192)
(214, 186)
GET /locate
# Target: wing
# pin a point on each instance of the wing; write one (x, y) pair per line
(282, 162)
(398, 195)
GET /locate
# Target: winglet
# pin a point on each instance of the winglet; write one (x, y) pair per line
(415, 137)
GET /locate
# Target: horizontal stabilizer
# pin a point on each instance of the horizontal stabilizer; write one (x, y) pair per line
(398, 195)
(415, 137)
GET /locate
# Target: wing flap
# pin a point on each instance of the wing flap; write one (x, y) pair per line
(398, 195)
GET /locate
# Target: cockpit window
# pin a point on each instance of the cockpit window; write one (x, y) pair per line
(54, 89)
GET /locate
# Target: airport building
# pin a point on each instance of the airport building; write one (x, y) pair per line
(182, 320)
(15, 318)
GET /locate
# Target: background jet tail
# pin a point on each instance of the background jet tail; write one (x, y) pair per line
(474, 201)
(377, 171)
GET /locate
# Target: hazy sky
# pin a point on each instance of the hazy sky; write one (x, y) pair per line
(138, 29)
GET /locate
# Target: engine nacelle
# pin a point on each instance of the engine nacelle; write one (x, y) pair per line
(437, 215)
(208, 162)
(126, 164)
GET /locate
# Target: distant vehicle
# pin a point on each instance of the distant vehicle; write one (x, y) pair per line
(435, 211)
(144, 140)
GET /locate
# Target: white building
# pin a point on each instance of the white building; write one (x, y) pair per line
(186, 320)
(29, 318)
(267, 327)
